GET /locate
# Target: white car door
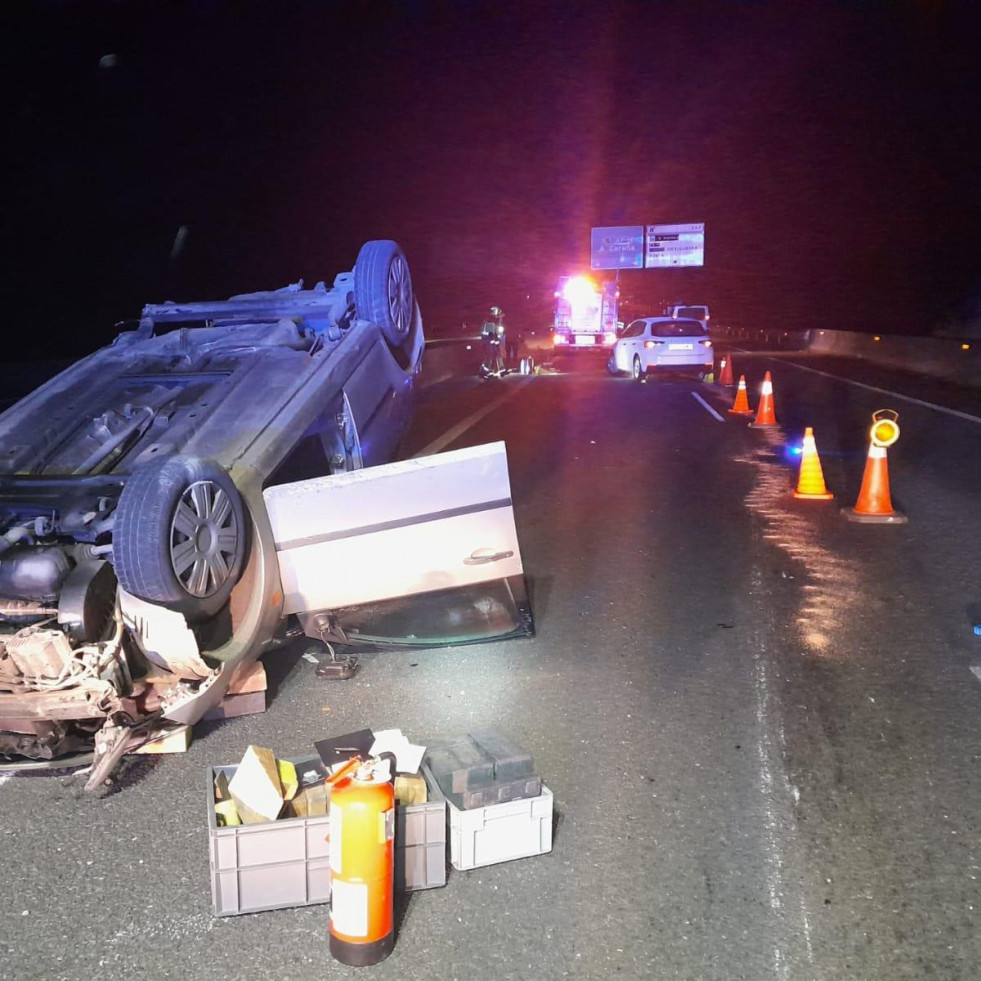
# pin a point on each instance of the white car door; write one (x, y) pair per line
(418, 551)
(633, 343)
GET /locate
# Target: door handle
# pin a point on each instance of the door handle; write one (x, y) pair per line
(482, 556)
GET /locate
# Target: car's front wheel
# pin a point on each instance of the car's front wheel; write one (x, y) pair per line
(179, 535)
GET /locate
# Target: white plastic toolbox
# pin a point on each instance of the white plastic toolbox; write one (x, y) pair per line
(498, 832)
(286, 863)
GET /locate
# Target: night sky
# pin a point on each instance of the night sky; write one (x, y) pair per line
(831, 148)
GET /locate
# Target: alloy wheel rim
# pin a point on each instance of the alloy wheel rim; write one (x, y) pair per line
(400, 294)
(204, 537)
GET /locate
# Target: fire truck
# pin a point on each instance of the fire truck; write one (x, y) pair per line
(585, 314)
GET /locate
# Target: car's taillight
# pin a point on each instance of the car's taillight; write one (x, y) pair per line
(705, 343)
(650, 344)
(559, 339)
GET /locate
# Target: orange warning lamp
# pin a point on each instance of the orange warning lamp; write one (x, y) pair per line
(885, 427)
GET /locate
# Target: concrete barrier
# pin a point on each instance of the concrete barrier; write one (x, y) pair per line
(941, 357)
(446, 358)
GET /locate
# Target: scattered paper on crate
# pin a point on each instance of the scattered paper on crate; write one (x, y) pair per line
(408, 757)
(265, 788)
(256, 787)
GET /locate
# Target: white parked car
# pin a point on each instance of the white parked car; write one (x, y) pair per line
(661, 345)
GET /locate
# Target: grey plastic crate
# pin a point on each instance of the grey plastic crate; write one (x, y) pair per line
(420, 844)
(286, 863)
(266, 866)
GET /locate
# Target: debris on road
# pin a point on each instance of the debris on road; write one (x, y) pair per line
(169, 738)
(271, 818)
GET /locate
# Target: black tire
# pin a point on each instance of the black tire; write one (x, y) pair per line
(169, 547)
(637, 372)
(383, 289)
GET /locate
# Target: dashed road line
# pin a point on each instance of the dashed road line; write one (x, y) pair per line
(698, 398)
(441, 442)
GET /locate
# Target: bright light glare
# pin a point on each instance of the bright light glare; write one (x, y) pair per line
(559, 339)
(609, 338)
(579, 289)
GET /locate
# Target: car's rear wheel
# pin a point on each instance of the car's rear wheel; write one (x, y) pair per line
(383, 289)
(637, 371)
(179, 536)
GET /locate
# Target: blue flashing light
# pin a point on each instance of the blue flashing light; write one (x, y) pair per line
(792, 453)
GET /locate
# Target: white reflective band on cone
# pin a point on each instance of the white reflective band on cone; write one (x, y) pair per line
(876, 452)
(767, 388)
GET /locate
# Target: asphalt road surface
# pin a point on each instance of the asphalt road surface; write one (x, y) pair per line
(759, 721)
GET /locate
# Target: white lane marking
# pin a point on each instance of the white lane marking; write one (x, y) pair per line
(976, 671)
(885, 391)
(706, 406)
(461, 427)
(770, 750)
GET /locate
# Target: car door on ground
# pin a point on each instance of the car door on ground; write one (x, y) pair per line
(418, 552)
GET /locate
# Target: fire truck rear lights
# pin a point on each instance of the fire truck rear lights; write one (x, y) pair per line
(559, 339)
(579, 289)
(609, 338)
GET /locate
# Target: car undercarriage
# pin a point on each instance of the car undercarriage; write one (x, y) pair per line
(133, 540)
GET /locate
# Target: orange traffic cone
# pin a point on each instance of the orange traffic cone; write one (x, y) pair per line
(810, 481)
(725, 372)
(741, 405)
(874, 504)
(764, 415)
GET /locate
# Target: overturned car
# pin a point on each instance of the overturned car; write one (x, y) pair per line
(190, 496)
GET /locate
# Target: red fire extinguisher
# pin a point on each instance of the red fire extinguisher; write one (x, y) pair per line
(362, 854)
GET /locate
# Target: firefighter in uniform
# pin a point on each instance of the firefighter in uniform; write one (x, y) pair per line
(493, 337)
